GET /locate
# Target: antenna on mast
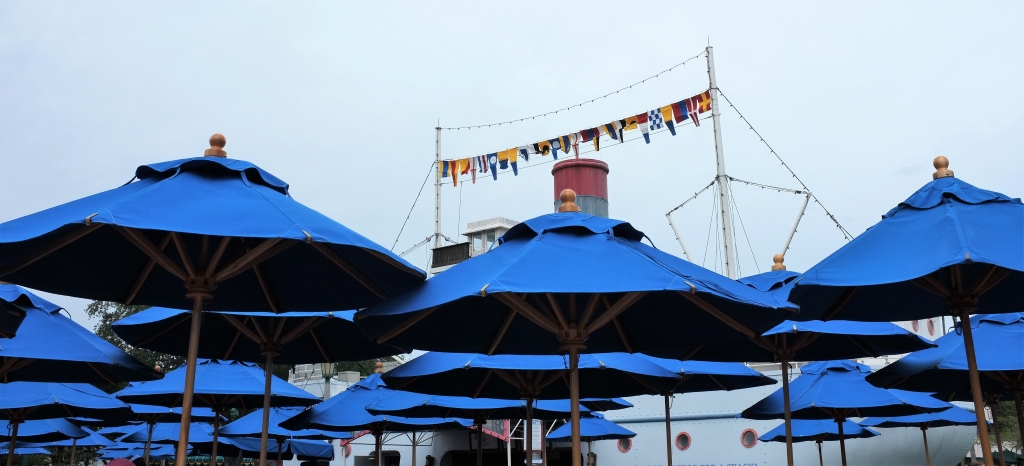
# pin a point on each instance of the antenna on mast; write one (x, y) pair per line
(721, 179)
(437, 184)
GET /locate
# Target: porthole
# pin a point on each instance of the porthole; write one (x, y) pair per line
(916, 325)
(625, 444)
(931, 327)
(748, 438)
(683, 441)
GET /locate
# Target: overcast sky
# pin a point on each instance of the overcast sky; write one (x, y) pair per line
(341, 100)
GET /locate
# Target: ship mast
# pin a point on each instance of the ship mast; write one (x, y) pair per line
(721, 179)
(437, 185)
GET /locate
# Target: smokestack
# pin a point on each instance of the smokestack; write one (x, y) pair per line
(589, 179)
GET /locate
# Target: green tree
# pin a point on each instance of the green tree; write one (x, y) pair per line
(106, 313)
(1009, 429)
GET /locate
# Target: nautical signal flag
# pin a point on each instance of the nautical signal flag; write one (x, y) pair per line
(450, 168)
(641, 122)
(492, 160)
(575, 140)
(697, 104)
(526, 151)
(666, 115)
(564, 142)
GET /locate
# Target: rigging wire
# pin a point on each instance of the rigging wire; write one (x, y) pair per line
(684, 62)
(432, 165)
(743, 227)
(707, 241)
(846, 234)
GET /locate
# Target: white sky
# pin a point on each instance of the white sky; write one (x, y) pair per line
(340, 100)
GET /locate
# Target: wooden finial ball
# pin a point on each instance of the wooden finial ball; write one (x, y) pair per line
(217, 143)
(941, 164)
(379, 368)
(778, 259)
(568, 198)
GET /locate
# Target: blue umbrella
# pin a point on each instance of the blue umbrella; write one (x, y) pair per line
(304, 449)
(14, 300)
(999, 346)
(222, 228)
(817, 430)
(837, 390)
(950, 248)
(478, 409)
(168, 433)
(94, 439)
(44, 430)
(129, 450)
(605, 404)
(347, 412)
(220, 385)
(22, 450)
(151, 415)
(50, 347)
(119, 430)
(591, 429)
(951, 417)
(251, 425)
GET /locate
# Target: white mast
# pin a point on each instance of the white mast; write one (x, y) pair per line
(437, 185)
(721, 179)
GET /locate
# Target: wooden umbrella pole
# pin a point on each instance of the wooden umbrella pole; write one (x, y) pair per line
(668, 432)
(821, 460)
(528, 431)
(12, 443)
(149, 441)
(842, 441)
(268, 374)
(181, 452)
(279, 461)
(74, 444)
(927, 455)
(787, 414)
(972, 372)
(413, 438)
(1020, 414)
(378, 450)
(574, 399)
(216, 433)
(480, 444)
(995, 425)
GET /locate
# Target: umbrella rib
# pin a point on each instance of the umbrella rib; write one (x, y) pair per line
(183, 254)
(242, 328)
(164, 329)
(717, 382)
(306, 326)
(718, 314)
(519, 304)
(932, 285)
(145, 272)
(280, 328)
(231, 347)
(654, 390)
(263, 251)
(863, 348)
(501, 331)
(556, 310)
(266, 289)
(622, 335)
(418, 316)
(618, 308)
(102, 373)
(49, 248)
(691, 353)
(995, 275)
(557, 375)
(483, 382)
(140, 241)
(320, 346)
(217, 256)
(588, 312)
(541, 306)
(838, 305)
(350, 270)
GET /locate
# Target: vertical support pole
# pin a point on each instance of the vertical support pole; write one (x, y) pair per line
(216, 436)
(995, 424)
(74, 444)
(280, 462)
(574, 400)
(927, 455)
(842, 440)
(787, 413)
(378, 440)
(149, 440)
(268, 370)
(721, 178)
(668, 432)
(480, 443)
(543, 444)
(821, 460)
(528, 431)
(437, 186)
(508, 443)
(181, 452)
(413, 438)
(12, 443)
(972, 371)
(1020, 415)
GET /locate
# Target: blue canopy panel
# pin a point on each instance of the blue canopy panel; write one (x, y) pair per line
(479, 409)
(221, 385)
(948, 222)
(93, 440)
(954, 416)
(43, 430)
(585, 265)
(151, 413)
(605, 404)
(200, 433)
(61, 350)
(769, 281)
(998, 345)
(818, 430)
(819, 340)
(130, 450)
(346, 411)
(837, 389)
(704, 376)
(14, 300)
(82, 248)
(303, 449)
(591, 429)
(40, 400)
(252, 425)
(23, 449)
(321, 336)
(465, 374)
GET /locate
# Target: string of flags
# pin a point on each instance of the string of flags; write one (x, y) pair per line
(662, 117)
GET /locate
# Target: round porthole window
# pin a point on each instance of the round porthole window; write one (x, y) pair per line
(931, 327)
(683, 441)
(625, 444)
(748, 438)
(916, 325)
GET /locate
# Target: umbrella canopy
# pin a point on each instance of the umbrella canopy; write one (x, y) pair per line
(251, 425)
(14, 300)
(219, 385)
(605, 404)
(478, 409)
(154, 414)
(301, 337)
(592, 429)
(167, 433)
(50, 347)
(704, 376)
(119, 430)
(954, 416)
(20, 401)
(93, 440)
(23, 450)
(238, 236)
(769, 281)
(131, 450)
(818, 430)
(569, 267)
(510, 377)
(44, 430)
(304, 449)
(837, 390)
